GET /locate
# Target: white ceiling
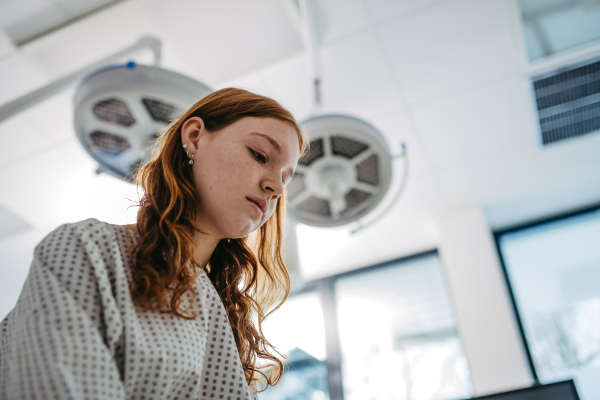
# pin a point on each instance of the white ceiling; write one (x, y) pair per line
(447, 77)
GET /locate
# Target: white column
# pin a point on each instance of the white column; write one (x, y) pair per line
(485, 317)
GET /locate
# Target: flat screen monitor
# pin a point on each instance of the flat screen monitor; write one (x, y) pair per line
(554, 391)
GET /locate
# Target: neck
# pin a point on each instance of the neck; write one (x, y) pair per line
(205, 246)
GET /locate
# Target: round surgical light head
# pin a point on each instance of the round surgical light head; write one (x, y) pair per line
(345, 175)
(121, 110)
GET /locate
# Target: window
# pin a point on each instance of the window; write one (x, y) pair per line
(551, 26)
(553, 270)
(297, 330)
(388, 330)
(398, 336)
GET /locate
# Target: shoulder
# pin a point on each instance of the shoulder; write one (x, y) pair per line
(75, 234)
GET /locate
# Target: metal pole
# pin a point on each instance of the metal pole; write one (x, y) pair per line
(30, 99)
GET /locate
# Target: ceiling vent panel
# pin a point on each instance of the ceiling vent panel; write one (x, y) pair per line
(568, 102)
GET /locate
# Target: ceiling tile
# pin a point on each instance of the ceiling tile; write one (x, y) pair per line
(61, 185)
(396, 127)
(21, 140)
(91, 39)
(53, 117)
(447, 48)
(479, 123)
(285, 81)
(250, 82)
(289, 83)
(339, 18)
(355, 77)
(564, 169)
(217, 48)
(384, 10)
(22, 19)
(260, 34)
(421, 198)
(18, 76)
(10, 222)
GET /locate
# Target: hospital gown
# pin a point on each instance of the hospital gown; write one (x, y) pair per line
(75, 332)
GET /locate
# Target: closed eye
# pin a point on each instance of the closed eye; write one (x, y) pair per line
(258, 156)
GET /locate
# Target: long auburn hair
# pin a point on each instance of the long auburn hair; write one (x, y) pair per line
(249, 275)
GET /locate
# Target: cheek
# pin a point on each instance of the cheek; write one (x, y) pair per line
(225, 178)
(219, 170)
(269, 213)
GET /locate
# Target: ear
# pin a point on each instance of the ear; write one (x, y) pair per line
(191, 132)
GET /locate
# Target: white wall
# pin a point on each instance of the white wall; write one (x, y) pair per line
(485, 318)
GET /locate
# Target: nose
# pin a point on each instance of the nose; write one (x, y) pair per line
(273, 185)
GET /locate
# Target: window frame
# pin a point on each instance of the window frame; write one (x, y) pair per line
(325, 289)
(520, 227)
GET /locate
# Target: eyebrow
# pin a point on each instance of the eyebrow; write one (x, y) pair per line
(270, 139)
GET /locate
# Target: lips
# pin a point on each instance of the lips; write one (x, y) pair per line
(260, 203)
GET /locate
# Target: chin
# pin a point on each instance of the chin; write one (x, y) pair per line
(235, 232)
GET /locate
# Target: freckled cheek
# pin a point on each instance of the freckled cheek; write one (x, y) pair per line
(233, 179)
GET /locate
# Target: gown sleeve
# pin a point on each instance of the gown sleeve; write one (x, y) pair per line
(59, 341)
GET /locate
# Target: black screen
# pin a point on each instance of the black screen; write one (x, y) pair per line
(554, 391)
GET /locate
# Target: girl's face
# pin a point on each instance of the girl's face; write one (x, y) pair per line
(240, 172)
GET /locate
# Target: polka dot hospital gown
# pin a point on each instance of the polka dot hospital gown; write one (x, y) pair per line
(76, 334)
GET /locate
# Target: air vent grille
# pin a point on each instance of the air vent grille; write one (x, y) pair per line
(569, 102)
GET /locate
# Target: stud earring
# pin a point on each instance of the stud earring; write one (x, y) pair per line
(185, 146)
(192, 161)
